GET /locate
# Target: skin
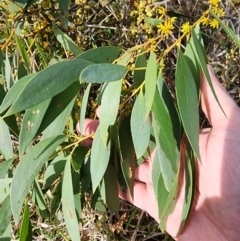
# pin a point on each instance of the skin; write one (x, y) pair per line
(216, 210)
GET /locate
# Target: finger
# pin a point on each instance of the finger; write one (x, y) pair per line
(89, 127)
(142, 172)
(143, 199)
(210, 106)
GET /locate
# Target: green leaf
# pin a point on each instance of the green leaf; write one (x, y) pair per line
(109, 107)
(55, 118)
(228, 30)
(1, 59)
(65, 40)
(27, 170)
(48, 83)
(166, 144)
(4, 166)
(166, 200)
(150, 82)
(21, 70)
(171, 108)
(106, 54)
(8, 73)
(31, 121)
(100, 73)
(68, 206)
(40, 201)
(199, 52)
(127, 154)
(5, 215)
(57, 196)
(140, 128)
(84, 107)
(5, 140)
(78, 157)
(26, 229)
(63, 7)
(54, 170)
(14, 92)
(187, 99)
(77, 193)
(152, 21)
(111, 187)
(23, 52)
(190, 184)
(99, 159)
(139, 75)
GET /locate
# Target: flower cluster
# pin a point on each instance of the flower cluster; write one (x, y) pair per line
(218, 10)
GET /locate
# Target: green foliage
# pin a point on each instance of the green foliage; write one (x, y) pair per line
(140, 111)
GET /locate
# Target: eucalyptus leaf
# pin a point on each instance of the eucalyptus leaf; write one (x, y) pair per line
(99, 159)
(27, 170)
(15, 90)
(150, 82)
(152, 21)
(68, 206)
(26, 229)
(140, 128)
(203, 63)
(187, 99)
(84, 107)
(31, 121)
(23, 52)
(5, 215)
(100, 73)
(139, 75)
(5, 140)
(64, 39)
(4, 166)
(109, 107)
(105, 54)
(48, 83)
(127, 154)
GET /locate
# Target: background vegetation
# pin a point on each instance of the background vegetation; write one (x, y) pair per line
(34, 37)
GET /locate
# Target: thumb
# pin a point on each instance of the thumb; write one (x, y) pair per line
(210, 106)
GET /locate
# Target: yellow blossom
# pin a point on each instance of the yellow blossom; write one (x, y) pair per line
(165, 28)
(162, 11)
(214, 23)
(205, 21)
(219, 11)
(214, 2)
(186, 28)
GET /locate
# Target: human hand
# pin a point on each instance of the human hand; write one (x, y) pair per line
(216, 211)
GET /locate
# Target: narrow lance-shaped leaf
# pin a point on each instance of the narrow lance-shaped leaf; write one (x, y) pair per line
(150, 82)
(48, 83)
(26, 229)
(190, 182)
(140, 128)
(63, 7)
(202, 61)
(4, 166)
(167, 147)
(23, 52)
(27, 170)
(105, 54)
(15, 90)
(127, 154)
(109, 107)
(68, 206)
(5, 215)
(99, 159)
(187, 99)
(139, 75)
(65, 40)
(84, 106)
(5, 140)
(100, 73)
(31, 121)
